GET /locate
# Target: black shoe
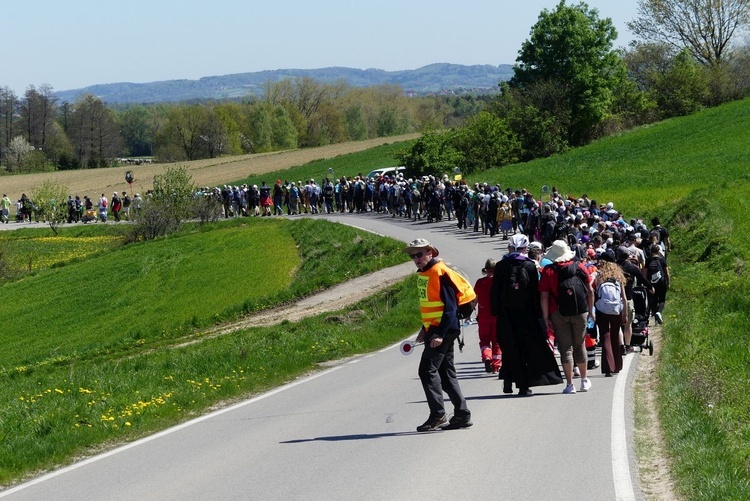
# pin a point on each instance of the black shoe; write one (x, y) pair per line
(458, 423)
(432, 424)
(488, 366)
(524, 392)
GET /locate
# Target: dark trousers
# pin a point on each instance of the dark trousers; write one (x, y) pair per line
(657, 300)
(609, 337)
(438, 375)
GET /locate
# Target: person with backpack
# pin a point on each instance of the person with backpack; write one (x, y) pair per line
(527, 358)
(567, 297)
(442, 291)
(116, 206)
(633, 278)
(657, 275)
(487, 321)
(611, 306)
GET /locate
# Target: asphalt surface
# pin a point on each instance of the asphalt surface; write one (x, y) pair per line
(349, 432)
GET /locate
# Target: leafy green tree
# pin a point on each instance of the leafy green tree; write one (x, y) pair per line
(570, 50)
(136, 126)
(284, 135)
(432, 154)
(180, 138)
(683, 88)
(485, 142)
(171, 203)
(50, 200)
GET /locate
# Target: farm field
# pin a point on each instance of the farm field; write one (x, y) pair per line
(209, 172)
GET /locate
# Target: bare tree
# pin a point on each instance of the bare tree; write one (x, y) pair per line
(8, 112)
(38, 114)
(94, 134)
(704, 27)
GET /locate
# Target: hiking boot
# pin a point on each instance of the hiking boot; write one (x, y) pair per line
(585, 384)
(569, 389)
(458, 423)
(659, 320)
(432, 424)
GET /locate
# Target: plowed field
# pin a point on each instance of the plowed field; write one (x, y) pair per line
(211, 172)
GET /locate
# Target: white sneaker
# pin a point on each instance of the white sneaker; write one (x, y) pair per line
(585, 384)
(569, 389)
(576, 372)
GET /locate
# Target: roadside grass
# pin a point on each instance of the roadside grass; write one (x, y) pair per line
(67, 411)
(705, 376)
(352, 164)
(694, 173)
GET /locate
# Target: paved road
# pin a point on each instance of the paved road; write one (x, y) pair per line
(348, 432)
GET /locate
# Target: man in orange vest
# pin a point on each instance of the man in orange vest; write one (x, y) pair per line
(441, 291)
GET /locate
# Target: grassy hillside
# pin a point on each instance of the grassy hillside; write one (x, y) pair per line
(693, 172)
(102, 348)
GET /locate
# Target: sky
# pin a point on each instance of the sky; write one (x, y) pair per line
(70, 44)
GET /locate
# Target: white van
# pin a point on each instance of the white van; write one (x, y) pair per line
(387, 171)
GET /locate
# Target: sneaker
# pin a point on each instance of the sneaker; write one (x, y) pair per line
(525, 392)
(458, 423)
(585, 384)
(593, 364)
(569, 389)
(432, 424)
(488, 366)
(658, 318)
(576, 372)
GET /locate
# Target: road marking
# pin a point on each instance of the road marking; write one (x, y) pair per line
(620, 461)
(168, 431)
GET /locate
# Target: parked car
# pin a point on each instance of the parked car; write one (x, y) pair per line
(387, 171)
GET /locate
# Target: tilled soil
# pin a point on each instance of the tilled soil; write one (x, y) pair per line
(210, 172)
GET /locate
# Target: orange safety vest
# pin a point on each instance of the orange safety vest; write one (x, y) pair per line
(428, 286)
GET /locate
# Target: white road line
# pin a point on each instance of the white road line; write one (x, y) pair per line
(168, 431)
(620, 462)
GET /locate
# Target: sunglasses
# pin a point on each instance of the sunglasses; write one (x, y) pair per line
(416, 255)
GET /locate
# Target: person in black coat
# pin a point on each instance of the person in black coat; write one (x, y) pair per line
(527, 358)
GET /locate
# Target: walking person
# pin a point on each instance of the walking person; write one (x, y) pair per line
(657, 275)
(487, 320)
(527, 358)
(5, 204)
(116, 206)
(611, 311)
(441, 290)
(566, 298)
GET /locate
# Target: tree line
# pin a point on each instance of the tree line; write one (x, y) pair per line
(39, 133)
(570, 86)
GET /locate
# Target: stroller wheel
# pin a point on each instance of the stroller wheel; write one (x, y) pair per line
(651, 348)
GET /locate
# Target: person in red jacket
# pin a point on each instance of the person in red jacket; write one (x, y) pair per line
(487, 322)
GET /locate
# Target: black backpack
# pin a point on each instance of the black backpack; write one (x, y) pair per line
(516, 287)
(572, 293)
(654, 271)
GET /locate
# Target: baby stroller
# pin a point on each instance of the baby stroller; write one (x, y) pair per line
(89, 215)
(640, 321)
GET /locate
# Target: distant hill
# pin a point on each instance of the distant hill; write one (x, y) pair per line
(431, 79)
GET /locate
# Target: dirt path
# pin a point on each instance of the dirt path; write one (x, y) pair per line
(210, 172)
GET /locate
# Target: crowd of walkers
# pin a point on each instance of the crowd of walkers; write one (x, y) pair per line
(76, 209)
